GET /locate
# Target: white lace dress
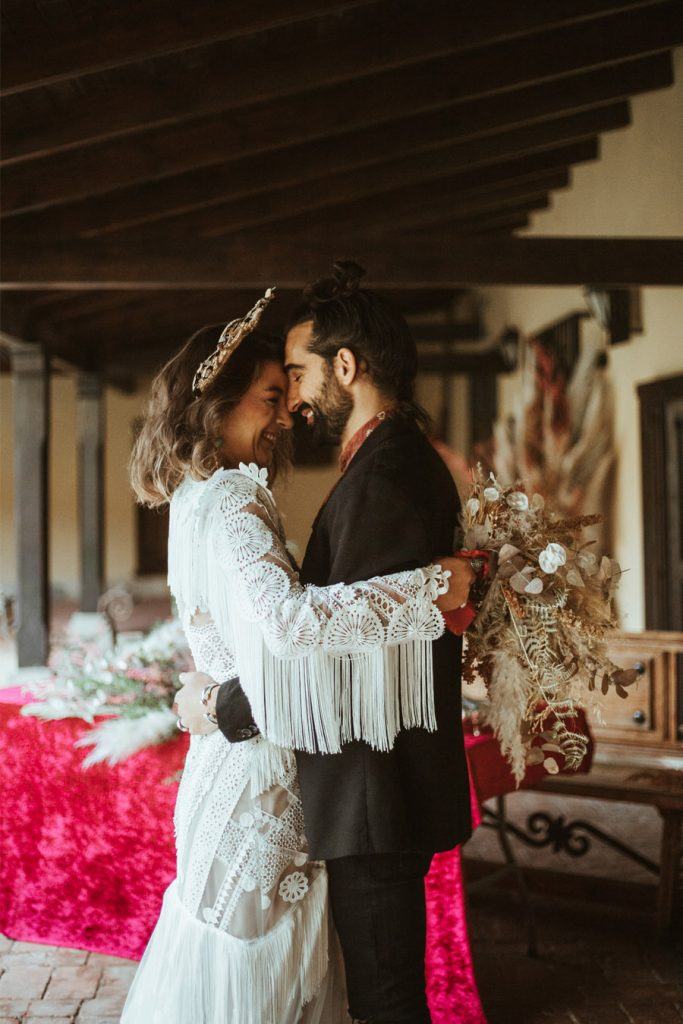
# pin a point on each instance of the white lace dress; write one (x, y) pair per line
(244, 935)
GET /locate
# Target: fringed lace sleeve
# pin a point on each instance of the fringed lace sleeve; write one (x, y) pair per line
(320, 665)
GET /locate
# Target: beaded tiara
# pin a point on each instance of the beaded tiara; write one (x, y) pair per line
(231, 338)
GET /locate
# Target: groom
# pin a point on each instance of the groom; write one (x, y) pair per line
(375, 818)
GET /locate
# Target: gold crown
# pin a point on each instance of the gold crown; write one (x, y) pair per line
(231, 338)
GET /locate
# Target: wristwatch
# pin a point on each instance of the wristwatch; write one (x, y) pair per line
(205, 698)
(477, 564)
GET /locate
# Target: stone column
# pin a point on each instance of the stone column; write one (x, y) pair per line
(90, 425)
(30, 382)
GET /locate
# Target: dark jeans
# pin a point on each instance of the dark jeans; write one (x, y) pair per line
(378, 905)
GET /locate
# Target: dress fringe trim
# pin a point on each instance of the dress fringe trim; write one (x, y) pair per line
(322, 701)
(204, 976)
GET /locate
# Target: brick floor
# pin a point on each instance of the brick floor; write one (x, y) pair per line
(51, 985)
(596, 966)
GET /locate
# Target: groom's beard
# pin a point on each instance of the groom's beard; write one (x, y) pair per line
(331, 411)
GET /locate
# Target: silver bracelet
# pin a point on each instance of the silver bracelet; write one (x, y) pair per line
(206, 693)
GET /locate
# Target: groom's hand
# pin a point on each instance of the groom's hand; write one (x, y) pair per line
(461, 579)
(188, 703)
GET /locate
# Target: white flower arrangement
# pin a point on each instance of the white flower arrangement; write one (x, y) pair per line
(134, 685)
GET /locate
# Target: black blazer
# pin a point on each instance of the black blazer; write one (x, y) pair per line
(395, 508)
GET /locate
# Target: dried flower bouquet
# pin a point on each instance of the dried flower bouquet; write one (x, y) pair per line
(539, 638)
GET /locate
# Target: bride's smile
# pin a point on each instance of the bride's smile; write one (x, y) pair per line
(252, 429)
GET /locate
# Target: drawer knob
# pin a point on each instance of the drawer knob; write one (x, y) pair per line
(639, 717)
(639, 668)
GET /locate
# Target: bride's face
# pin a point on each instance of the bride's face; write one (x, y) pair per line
(251, 430)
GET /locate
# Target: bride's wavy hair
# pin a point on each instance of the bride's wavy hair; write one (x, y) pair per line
(179, 429)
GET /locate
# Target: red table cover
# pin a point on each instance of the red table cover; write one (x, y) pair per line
(84, 861)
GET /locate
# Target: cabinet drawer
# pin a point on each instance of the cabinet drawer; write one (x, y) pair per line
(640, 717)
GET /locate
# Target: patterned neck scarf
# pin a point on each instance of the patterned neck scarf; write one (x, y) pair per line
(353, 446)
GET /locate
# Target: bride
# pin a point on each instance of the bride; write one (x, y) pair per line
(244, 934)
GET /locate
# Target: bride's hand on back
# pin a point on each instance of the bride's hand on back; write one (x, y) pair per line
(461, 579)
(188, 703)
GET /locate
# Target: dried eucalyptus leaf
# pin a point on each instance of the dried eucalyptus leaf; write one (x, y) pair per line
(575, 578)
(519, 583)
(507, 551)
(625, 677)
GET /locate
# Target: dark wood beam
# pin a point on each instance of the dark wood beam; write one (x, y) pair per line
(459, 217)
(413, 260)
(411, 207)
(121, 35)
(81, 307)
(362, 193)
(506, 218)
(329, 163)
(447, 363)
(369, 93)
(127, 206)
(502, 227)
(432, 333)
(131, 320)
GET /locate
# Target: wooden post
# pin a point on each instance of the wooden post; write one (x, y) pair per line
(483, 406)
(90, 487)
(30, 375)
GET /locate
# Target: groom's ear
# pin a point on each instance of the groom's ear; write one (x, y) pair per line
(346, 367)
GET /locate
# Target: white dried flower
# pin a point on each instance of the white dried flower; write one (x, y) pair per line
(518, 501)
(552, 557)
(491, 493)
(587, 562)
(472, 506)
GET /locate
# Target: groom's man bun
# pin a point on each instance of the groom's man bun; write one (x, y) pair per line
(344, 315)
(346, 277)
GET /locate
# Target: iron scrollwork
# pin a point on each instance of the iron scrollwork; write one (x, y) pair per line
(562, 836)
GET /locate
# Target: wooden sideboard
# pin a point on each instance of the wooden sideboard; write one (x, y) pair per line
(647, 726)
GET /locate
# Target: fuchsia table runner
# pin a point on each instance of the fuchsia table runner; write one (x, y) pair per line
(85, 856)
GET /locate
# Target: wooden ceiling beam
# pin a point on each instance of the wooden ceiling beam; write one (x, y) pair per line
(190, 195)
(380, 208)
(499, 229)
(118, 36)
(412, 260)
(135, 315)
(362, 193)
(461, 216)
(370, 92)
(459, 122)
(510, 218)
(418, 207)
(113, 40)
